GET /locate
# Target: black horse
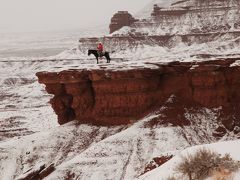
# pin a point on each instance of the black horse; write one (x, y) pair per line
(95, 53)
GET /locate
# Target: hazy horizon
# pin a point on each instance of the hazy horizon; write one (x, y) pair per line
(51, 15)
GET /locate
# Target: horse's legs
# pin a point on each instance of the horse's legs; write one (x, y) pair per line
(96, 58)
(108, 58)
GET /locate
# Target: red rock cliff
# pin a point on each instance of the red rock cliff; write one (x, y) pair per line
(121, 97)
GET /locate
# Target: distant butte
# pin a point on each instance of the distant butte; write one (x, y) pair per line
(120, 19)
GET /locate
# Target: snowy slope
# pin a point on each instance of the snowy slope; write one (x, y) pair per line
(23, 107)
(167, 170)
(90, 152)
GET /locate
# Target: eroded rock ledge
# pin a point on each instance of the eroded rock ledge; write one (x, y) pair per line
(113, 97)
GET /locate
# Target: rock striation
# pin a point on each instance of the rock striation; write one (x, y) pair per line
(114, 97)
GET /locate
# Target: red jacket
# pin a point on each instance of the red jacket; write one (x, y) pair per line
(100, 47)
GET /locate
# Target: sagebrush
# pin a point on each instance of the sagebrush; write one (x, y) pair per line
(204, 162)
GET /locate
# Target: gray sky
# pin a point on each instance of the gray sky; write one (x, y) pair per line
(32, 15)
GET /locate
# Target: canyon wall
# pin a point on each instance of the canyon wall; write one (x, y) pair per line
(130, 42)
(113, 97)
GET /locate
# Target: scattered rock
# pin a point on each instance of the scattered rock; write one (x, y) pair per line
(156, 162)
(48, 170)
(38, 172)
(236, 130)
(220, 132)
(32, 173)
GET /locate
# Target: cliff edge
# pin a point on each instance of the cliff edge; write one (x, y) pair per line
(115, 97)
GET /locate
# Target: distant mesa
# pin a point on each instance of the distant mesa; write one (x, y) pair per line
(185, 15)
(124, 18)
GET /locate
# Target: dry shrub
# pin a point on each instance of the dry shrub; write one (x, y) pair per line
(171, 178)
(205, 163)
(222, 174)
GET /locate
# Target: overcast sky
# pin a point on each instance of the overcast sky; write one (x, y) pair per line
(32, 15)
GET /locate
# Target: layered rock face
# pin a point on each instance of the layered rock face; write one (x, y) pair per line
(130, 42)
(113, 97)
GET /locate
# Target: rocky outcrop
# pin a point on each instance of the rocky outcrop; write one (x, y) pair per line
(156, 162)
(120, 19)
(113, 97)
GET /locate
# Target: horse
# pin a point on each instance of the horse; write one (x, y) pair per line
(96, 54)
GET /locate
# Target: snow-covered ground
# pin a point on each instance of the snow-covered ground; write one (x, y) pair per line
(88, 152)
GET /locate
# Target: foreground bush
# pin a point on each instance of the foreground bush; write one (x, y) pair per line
(205, 163)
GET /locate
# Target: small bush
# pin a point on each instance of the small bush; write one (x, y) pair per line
(204, 162)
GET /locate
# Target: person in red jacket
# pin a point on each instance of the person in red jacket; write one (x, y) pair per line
(100, 49)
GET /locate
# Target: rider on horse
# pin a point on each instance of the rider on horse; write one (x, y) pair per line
(100, 49)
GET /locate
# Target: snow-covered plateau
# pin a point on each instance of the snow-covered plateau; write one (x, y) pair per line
(30, 137)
